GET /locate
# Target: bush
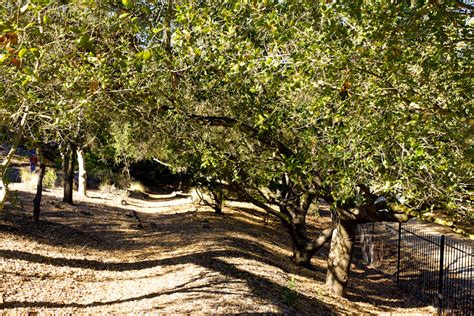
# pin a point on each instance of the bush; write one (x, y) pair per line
(290, 293)
(137, 187)
(50, 178)
(106, 187)
(29, 178)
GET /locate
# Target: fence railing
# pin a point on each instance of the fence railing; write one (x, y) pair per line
(436, 269)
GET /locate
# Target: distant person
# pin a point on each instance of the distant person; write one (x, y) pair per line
(33, 162)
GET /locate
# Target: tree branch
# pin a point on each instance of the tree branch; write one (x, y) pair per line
(463, 5)
(395, 91)
(223, 121)
(322, 239)
(260, 204)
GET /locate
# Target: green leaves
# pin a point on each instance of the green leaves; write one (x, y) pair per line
(23, 53)
(46, 19)
(398, 125)
(123, 16)
(4, 57)
(145, 55)
(28, 71)
(85, 42)
(127, 3)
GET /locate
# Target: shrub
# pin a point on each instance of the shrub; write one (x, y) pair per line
(290, 293)
(106, 187)
(50, 178)
(29, 178)
(137, 186)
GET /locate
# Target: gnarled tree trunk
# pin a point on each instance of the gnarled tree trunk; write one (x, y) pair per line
(340, 256)
(293, 217)
(39, 187)
(376, 209)
(304, 248)
(68, 175)
(82, 179)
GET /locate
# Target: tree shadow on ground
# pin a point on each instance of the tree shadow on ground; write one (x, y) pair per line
(210, 260)
(171, 233)
(231, 235)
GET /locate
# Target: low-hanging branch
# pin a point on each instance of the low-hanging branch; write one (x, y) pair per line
(260, 204)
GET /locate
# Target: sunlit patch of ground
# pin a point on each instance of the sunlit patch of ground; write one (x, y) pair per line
(99, 256)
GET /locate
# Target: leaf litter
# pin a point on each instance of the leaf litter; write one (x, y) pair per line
(99, 256)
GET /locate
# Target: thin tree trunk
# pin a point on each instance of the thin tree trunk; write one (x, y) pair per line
(304, 247)
(294, 220)
(218, 198)
(6, 161)
(39, 187)
(218, 208)
(82, 180)
(3, 190)
(68, 175)
(340, 256)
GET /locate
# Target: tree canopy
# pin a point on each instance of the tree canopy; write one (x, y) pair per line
(364, 104)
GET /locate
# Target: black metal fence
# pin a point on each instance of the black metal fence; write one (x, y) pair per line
(436, 269)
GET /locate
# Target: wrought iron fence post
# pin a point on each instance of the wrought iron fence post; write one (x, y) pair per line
(441, 273)
(399, 251)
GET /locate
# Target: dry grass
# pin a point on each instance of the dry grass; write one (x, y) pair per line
(97, 257)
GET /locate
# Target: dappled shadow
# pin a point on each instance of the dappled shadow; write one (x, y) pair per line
(370, 286)
(185, 287)
(94, 225)
(210, 260)
(241, 234)
(252, 252)
(250, 211)
(112, 228)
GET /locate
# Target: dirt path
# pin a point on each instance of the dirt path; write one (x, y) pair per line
(436, 229)
(100, 256)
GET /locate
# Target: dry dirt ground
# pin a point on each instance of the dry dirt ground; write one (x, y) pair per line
(172, 257)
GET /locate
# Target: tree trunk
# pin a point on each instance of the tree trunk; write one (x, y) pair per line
(6, 162)
(302, 245)
(3, 174)
(39, 187)
(68, 175)
(82, 180)
(3, 190)
(218, 199)
(218, 209)
(340, 256)
(305, 248)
